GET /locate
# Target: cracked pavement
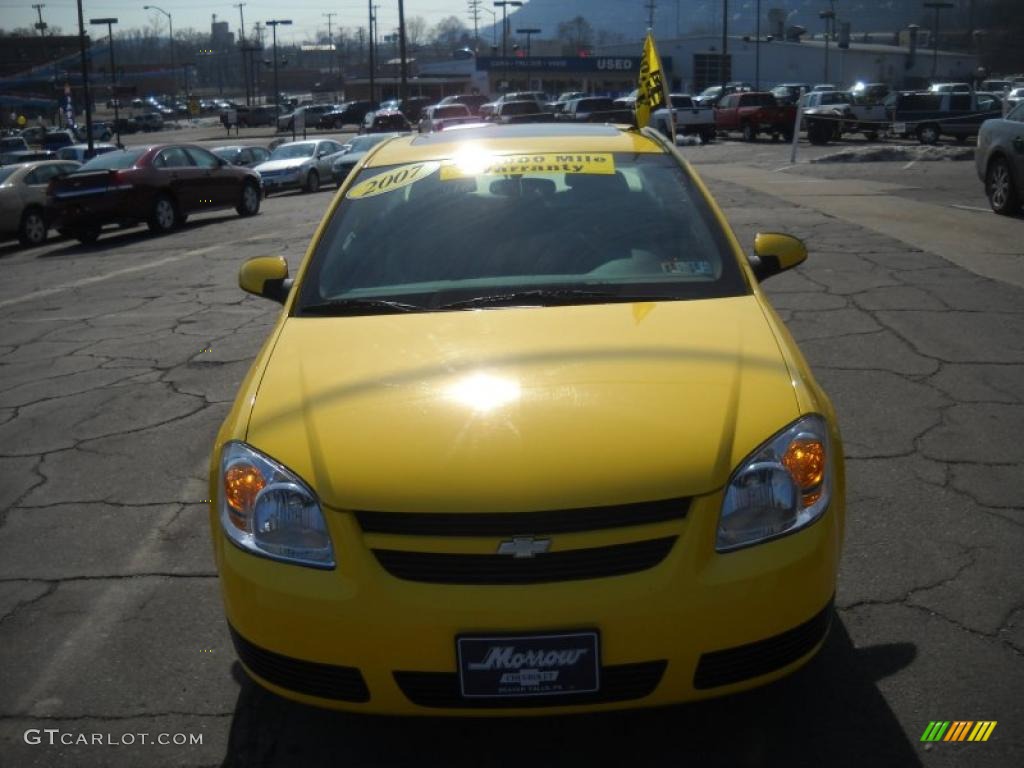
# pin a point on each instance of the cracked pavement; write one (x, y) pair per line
(109, 603)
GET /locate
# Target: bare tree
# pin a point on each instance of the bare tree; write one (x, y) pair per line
(415, 31)
(576, 34)
(449, 34)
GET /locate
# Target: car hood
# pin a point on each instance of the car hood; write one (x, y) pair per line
(525, 408)
(283, 165)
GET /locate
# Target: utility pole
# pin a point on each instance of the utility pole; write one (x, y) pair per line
(256, 79)
(651, 5)
(403, 72)
(41, 26)
(474, 12)
(373, 36)
(241, 40)
(330, 39)
(85, 79)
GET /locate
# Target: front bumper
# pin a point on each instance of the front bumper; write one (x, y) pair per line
(695, 625)
(282, 182)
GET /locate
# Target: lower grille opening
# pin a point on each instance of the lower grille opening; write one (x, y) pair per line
(309, 677)
(622, 682)
(759, 658)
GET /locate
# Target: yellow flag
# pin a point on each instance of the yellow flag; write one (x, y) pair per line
(651, 90)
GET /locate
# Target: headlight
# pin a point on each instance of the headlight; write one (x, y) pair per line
(782, 487)
(268, 510)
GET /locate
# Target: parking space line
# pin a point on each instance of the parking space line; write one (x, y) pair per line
(100, 278)
(970, 208)
(907, 166)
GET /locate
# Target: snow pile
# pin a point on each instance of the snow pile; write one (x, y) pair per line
(894, 153)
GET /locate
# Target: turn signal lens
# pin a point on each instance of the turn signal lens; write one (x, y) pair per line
(805, 460)
(242, 483)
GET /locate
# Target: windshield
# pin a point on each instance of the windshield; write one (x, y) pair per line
(5, 172)
(290, 151)
(111, 161)
(626, 225)
(226, 153)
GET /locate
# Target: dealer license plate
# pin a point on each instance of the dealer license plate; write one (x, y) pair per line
(505, 666)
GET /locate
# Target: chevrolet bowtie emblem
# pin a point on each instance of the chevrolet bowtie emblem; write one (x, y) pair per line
(524, 546)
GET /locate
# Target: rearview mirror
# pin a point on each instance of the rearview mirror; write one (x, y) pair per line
(265, 276)
(775, 253)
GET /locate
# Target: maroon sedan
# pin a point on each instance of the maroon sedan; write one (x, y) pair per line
(160, 185)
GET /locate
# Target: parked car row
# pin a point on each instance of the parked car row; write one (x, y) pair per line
(161, 185)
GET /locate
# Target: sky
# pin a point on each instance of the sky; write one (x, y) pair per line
(306, 15)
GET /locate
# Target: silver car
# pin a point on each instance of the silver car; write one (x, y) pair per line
(23, 198)
(299, 165)
(355, 151)
(999, 160)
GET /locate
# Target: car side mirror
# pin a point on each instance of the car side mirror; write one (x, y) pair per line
(265, 276)
(775, 253)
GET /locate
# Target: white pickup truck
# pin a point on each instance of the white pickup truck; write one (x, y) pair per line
(829, 114)
(690, 118)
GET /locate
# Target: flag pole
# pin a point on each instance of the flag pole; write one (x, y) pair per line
(652, 77)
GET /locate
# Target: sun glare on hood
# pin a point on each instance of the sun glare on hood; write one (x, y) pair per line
(483, 392)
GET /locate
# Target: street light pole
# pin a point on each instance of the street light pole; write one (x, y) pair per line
(403, 90)
(272, 23)
(757, 49)
(170, 26)
(938, 6)
(503, 4)
(110, 22)
(829, 17)
(371, 41)
(85, 78)
(725, 46)
(528, 32)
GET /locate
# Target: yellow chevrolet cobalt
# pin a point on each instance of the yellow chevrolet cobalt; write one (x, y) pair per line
(527, 437)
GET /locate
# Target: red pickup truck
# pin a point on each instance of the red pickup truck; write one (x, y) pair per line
(754, 112)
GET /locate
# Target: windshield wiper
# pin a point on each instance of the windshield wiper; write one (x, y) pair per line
(548, 297)
(360, 307)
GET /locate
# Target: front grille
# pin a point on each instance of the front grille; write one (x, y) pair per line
(309, 677)
(623, 682)
(759, 658)
(569, 565)
(518, 523)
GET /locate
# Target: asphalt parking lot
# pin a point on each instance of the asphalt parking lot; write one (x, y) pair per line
(118, 361)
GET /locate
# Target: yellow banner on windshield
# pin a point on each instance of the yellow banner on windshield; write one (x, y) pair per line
(518, 165)
(389, 181)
